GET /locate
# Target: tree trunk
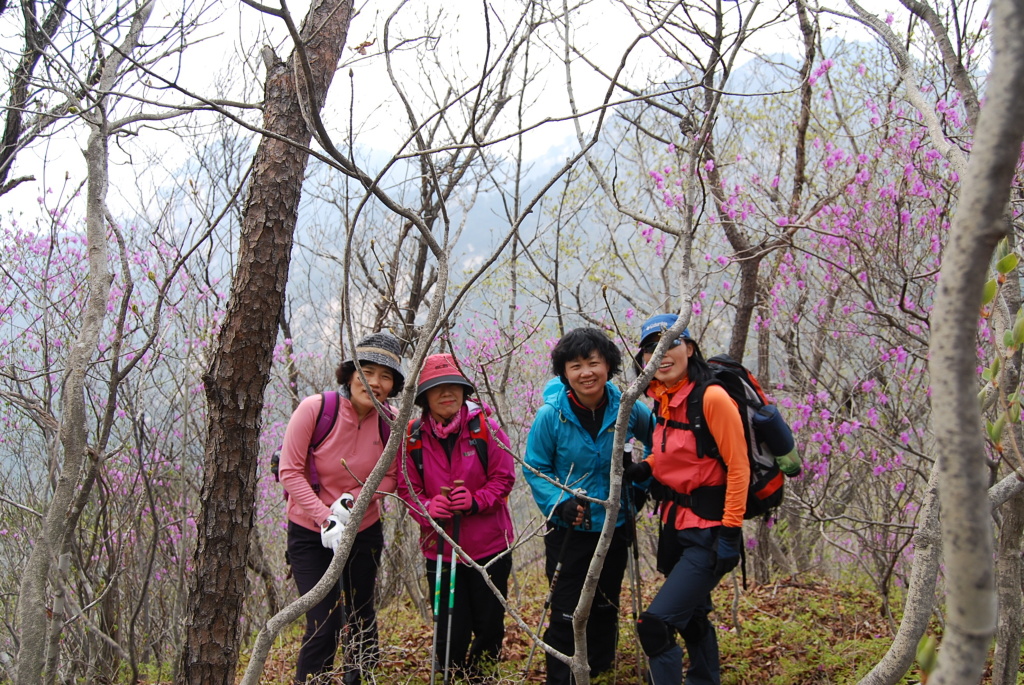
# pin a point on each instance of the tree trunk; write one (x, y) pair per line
(1006, 660)
(39, 643)
(240, 368)
(956, 417)
(262, 568)
(921, 591)
(38, 37)
(920, 594)
(32, 609)
(1010, 628)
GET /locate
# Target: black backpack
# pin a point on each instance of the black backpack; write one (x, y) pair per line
(767, 435)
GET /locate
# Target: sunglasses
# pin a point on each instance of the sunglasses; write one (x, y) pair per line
(649, 347)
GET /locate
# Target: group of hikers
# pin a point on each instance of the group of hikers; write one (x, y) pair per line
(455, 474)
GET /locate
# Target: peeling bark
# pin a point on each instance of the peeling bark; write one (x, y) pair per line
(240, 369)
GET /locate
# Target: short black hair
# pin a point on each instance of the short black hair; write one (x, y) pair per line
(346, 370)
(578, 344)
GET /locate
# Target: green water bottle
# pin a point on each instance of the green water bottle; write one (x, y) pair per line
(790, 464)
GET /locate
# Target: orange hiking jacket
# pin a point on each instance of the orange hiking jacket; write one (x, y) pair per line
(675, 463)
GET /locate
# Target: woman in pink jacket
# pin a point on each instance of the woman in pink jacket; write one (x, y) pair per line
(458, 471)
(320, 479)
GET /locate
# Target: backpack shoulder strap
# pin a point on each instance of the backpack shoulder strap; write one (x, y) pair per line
(325, 420)
(414, 445)
(383, 426)
(706, 445)
(479, 436)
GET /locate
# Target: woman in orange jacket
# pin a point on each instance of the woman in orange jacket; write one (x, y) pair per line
(704, 534)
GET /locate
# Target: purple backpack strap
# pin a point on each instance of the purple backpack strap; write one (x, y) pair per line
(383, 426)
(324, 424)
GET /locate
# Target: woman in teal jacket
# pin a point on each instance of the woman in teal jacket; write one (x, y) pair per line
(570, 442)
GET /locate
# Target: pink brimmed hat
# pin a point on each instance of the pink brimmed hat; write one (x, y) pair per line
(439, 369)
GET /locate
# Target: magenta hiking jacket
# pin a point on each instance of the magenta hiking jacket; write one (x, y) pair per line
(489, 530)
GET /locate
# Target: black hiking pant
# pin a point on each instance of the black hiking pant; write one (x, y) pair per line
(309, 560)
(683, 604)
(603, 626)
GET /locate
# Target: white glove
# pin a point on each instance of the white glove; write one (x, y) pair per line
(331, 532)
(342, 508)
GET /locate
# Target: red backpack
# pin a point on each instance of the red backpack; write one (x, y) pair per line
(479, 436)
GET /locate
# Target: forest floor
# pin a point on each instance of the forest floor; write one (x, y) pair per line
(809, 632)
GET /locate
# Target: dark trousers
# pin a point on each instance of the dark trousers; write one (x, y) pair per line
(478, 618)
(684, 602)
(309, 560)
(603, 626)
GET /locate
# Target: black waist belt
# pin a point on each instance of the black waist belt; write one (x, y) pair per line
(707, 501)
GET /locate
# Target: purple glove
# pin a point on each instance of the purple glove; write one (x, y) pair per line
(439, 508)
(462, 500)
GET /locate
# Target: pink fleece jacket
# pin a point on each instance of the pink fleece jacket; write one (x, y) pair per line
(357, 442)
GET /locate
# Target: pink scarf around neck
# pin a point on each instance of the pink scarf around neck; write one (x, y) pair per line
(443, 430)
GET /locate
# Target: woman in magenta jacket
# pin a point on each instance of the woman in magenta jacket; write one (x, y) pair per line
(456, 447)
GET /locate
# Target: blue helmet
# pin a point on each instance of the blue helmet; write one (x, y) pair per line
(658, 324)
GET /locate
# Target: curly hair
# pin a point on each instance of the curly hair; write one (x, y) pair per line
(578, 344)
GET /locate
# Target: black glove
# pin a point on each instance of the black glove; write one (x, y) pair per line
(569, 510)
(627, 455)
(637, 472)
(730, 542)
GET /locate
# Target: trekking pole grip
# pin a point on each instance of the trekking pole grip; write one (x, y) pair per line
(458, 484)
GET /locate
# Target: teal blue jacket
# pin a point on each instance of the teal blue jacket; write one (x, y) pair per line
(559, 447)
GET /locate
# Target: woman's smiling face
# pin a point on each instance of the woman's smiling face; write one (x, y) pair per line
(587, 377)
(381, 380)
(444, 401)
(674, 365)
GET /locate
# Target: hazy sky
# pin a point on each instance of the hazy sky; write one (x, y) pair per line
(601, 29)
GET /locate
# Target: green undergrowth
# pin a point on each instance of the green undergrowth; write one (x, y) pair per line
(808, 632)
(811, 632)
(786, 633)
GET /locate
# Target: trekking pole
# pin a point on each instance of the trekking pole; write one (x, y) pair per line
(456, 520)
(349, 661)
(437, 600)
(551, 592)
(633, 560)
